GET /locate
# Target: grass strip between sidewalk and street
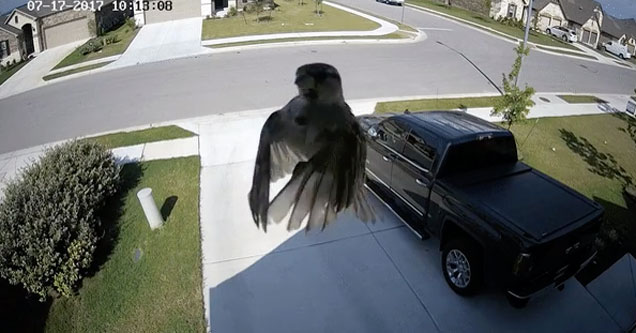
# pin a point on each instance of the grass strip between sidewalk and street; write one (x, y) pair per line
(480, 20)
(436, 104)
(125, 34)
(75, 71)
(394, 35)
(581, 99)
(287, 17)
(576, 54)
(148, 281)
(123, 139)
(5, 75)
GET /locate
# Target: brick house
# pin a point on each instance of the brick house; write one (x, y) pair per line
(24, 32)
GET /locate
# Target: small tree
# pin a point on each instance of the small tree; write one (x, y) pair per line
(488, 5)
(447, 3)
(515, 103)
(318, 3)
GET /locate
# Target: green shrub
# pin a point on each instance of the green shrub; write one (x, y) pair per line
(511, 21)
(232, 11)
(91, 46)
(49, 223)
(130, 22)
(112, 39)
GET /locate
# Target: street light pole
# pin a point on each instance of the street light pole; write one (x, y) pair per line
(403, 5)
(528, 18)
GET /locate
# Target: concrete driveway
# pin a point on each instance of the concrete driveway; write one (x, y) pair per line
(352, 277)
(164, 41)
(30, 76)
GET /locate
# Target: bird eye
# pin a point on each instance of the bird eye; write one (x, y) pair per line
(301, 120)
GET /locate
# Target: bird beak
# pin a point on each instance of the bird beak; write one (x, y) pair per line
(306, 86)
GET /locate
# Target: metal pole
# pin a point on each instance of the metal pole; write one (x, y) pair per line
(403, 5)
(528, 19)
(150, 208)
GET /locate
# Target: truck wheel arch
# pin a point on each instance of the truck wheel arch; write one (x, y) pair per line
(450, 229)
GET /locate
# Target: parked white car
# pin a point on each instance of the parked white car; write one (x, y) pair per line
(618, 49)
(392, 2)
(568, 35)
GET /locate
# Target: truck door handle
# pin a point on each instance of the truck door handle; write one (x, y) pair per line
(420, 182)
(386, 158)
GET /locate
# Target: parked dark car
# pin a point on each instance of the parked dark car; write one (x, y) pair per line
(457, 177)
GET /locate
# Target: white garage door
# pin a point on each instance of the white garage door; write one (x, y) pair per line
(544, 22)
(66, 33)
(180, 9)
(556, 21)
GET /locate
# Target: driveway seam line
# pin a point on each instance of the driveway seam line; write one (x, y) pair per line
(604, 309)
(288, 250)
(406, 281)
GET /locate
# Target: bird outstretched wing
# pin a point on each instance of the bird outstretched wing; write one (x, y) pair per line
(331, 181)
(274, 160)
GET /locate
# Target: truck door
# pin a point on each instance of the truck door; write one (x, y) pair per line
(411, 175)
(382, 151)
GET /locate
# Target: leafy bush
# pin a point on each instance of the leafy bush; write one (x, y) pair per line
(232, 11)
(130, 22)
(49, 223)
(511, 21)
(112, 39)
(91, 46)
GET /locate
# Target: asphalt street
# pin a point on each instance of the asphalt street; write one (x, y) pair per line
(260, 78)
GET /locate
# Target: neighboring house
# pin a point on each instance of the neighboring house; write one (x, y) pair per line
(621, 30)
(38, 30)
(586, 17)
(508, 8)
(11, 43)
(548, 13)
(182, 9)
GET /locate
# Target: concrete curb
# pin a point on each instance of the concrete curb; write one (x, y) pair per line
(84, 64)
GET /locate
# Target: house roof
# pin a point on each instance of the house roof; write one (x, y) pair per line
(613, 26)
(540, 4)
(579, 11)
(8, 28)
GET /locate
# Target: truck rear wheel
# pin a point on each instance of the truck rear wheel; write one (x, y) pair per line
(462, 266)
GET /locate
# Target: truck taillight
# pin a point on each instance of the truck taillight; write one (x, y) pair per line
(523, 264)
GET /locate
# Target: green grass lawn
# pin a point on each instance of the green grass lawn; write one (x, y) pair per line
(577, 54)
(436, 104)
(125, 35)
(122, 139)
(535, 37)
(394, 35)
(74, 71)
(289, 17)
(595, 156)
(5, 75)
(161, 289)
(581, 99)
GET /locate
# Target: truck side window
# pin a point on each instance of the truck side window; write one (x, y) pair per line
(391, 135)
(418, 151)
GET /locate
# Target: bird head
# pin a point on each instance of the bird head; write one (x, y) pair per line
(319, 82)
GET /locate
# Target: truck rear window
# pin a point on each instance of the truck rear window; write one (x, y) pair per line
(479, 154)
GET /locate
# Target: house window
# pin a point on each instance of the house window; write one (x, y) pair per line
(16, 19)
(4, 49)
(512, 10)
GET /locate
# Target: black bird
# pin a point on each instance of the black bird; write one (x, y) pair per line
(317, 139)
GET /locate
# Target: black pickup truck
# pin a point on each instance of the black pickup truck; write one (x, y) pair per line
(457, 177)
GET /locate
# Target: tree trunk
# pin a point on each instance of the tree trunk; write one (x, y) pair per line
(447, 3)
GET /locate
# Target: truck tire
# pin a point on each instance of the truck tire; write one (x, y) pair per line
(462, 266)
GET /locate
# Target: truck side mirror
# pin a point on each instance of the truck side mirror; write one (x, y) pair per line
(373, 132)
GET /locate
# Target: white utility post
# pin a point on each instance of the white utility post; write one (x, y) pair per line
(150, 208)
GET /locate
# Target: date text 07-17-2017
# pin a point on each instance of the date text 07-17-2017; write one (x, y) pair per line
(96, 5)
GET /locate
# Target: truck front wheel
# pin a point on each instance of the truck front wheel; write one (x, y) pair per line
(462, 266)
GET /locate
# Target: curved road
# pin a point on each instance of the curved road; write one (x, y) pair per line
(260, 78)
